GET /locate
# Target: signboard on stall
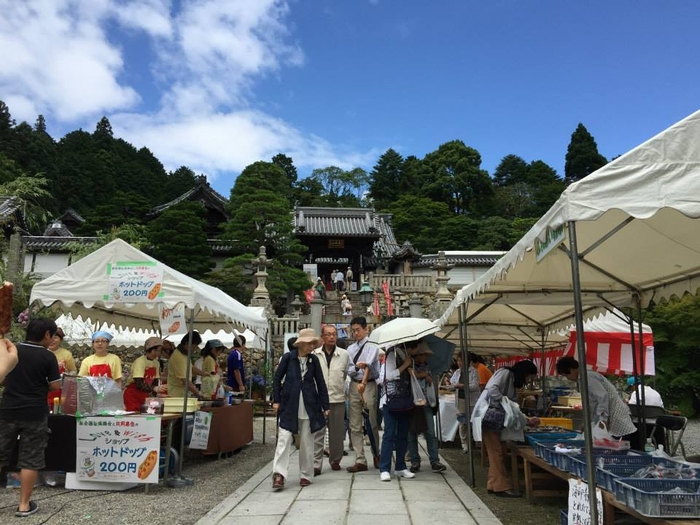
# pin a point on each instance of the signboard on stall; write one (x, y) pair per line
(580, 505)
(134, 282)
(200, 433)
(118, 449)
(172, 320)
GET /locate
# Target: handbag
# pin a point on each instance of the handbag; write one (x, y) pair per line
(493, 419)
(398, 394)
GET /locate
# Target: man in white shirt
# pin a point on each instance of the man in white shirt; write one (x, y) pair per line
(363, 370)
(334, 364)
(339, 281)
(651, 397)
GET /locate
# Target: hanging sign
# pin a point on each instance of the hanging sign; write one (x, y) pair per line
(134, 282)
(580, 504)
(172, 320)
(118, 449)
(200, 433)
(553, 239)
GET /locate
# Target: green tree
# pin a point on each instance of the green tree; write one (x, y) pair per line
(309, 192)
(454, 176)
(582, 157)
(421, 232)
(342, 188)
(384, 186)
(262, 216)
(122, 208)
(287, 164)
(676, 327)
(178, 238)
(511, 170)
(134, 234)
(29, 190)
(178, 182)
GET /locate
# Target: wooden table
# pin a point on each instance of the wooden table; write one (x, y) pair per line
(527, 454)
(231, 428)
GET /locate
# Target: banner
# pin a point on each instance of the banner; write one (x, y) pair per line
(172, 320)
(387, 298)
(118, 449)
(134, 282)
(200, 434)
(376, 303)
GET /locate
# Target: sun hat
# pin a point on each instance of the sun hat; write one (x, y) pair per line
(103, 334)
(307, 335)
(424, 350)
(152, 342)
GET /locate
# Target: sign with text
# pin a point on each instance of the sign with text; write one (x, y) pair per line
(118, 449)
(200, 433)
(580, 505)
(553, 239)
(134, 282)
(172, 320)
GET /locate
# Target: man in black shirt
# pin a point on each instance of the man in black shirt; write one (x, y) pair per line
(24, 407)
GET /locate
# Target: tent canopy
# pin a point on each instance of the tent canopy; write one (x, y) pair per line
(636, 236)
(81, 288)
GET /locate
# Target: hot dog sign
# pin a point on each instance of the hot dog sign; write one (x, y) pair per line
(118, 449)
(134, 282)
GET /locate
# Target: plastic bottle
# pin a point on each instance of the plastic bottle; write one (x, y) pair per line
(56, 406)
(648, 446)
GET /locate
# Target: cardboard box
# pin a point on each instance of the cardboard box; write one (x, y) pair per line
(569, 401)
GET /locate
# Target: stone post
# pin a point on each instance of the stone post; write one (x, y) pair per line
(316, 314)
(415, 307)
(441, 266)
(261, 296)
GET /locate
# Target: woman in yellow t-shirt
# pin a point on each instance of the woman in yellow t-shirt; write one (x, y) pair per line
(102, 363)
(66, 363)
(144, 379)
(210, 366)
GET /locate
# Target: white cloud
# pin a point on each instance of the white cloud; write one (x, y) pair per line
(63, 58)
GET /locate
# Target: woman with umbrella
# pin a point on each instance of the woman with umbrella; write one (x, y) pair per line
(397, 402)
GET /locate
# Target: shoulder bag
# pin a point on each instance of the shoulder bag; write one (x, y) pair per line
(398, 392)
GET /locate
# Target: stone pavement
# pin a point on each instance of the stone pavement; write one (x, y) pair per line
(348, 499)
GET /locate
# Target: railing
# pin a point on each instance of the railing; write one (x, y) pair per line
(404, 283)
(284, 325)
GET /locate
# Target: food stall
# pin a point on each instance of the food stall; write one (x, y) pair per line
(124, 287)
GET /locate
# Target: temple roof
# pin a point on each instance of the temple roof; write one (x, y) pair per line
(10, 208)
(201, 192)
(461, 258)
(336, 222)
(38, 243)
(56, 228)
(406, 252)
(70, 215)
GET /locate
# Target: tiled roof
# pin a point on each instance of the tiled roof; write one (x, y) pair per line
(69, 214)
(38, 243)
(201, 191)
(340, 222)
(57, 229)
(461, 259)
(9, 205)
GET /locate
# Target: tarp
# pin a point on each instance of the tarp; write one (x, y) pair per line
(85, 289)
(608, 348)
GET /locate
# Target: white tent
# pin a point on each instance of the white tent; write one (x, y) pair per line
(636, 238)
(623, 236)
(85, 289)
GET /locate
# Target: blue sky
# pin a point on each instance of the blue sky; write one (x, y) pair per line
(216, 84)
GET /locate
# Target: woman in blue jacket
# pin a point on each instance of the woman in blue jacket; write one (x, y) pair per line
(300, 397)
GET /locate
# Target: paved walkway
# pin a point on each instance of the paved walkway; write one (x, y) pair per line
(352, 499)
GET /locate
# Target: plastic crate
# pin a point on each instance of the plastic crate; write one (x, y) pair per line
(578, 463)
(557, 459)
(650, 497)
(549, 437)
(564, 517)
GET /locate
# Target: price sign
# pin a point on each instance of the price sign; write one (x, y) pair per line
(134, 282)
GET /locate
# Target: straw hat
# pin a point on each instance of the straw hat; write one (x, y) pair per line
(307, 335)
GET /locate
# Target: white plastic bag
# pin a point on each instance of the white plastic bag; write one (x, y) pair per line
(418, 396)
(430, 395)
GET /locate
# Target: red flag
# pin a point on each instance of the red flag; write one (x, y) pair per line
(387, 297)
(309, 294)
(376, 303)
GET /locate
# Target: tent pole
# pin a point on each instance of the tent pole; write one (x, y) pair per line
(464, 377)
(267, 381)
(179, 481)
(642, 359)
(635, 374)
(544, 373)
(583, 375)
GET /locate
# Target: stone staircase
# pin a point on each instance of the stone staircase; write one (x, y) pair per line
(332, 312)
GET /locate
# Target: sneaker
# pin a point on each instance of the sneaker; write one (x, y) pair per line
(415, 467)
(385, 476)
(437, 467)
(405, 474)
(33, 507)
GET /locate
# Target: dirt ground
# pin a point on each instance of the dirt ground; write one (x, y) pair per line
(545, 511)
